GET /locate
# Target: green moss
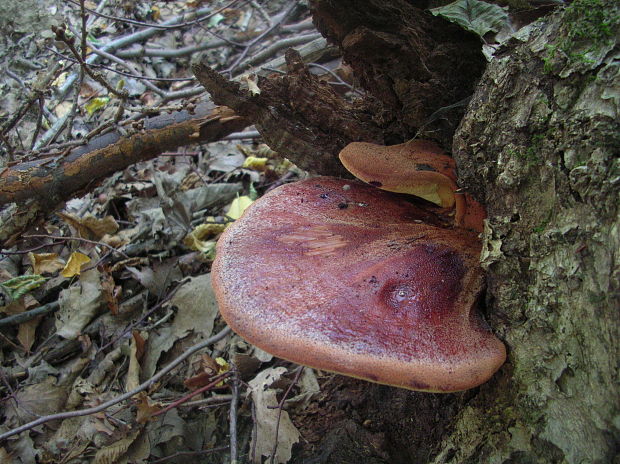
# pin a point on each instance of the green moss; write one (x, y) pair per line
(589, 25)
(543, 225)
(596, 298)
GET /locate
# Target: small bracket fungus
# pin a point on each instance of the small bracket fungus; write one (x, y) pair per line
(341, 276)
(418, 167)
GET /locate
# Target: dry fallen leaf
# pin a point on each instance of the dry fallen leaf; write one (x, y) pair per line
(74, 265)
(79, 304)
(146, 408)
(45, 263)
(267, 426)
(111, 454)
(196, 313)
(90, 227)
(110, 292)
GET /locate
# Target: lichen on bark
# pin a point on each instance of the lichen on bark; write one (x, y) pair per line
(540, 145)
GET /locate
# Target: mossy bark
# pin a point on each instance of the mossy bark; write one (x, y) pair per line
(540, 145)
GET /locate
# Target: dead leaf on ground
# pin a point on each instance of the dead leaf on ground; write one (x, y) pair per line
(74, 265)
(266, 422)
(79, 304)
(45, 263)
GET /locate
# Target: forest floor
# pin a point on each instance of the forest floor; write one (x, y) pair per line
(107, 296)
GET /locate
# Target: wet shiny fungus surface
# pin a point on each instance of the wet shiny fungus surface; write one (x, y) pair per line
(366, 290)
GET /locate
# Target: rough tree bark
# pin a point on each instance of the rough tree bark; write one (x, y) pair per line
(539, 144)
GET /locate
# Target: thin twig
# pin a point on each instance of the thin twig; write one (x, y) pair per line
(69, 42)
(84, 29)
(130, 39)
(139, 51)
(159, 304)
(79, 239)
(37, 129)
(337, 77)
(38, 88)
(276, 47)
(152, 25)
(103, 406)
(30, 314)
(217, 379)
(188, 453)
(260, 37)
(232, 414)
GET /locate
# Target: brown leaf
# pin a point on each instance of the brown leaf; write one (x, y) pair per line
(45, 263)
(110, 292)
(89, 226)
(146, 408)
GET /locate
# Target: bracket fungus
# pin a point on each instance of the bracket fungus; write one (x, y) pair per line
(341, 276)
(418, 167)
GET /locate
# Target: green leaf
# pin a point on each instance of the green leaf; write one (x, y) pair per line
(19, 286)
(474, 15)
(238, 206)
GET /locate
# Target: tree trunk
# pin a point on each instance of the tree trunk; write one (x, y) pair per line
(539, 145)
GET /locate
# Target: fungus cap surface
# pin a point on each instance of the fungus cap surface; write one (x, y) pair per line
(418, 167)
(344, 277)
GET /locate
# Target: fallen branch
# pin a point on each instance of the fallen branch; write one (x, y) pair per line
(20, 318)
(296, 113)
(56, 178)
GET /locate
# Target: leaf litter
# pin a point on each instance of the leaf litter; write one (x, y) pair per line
(126, 271)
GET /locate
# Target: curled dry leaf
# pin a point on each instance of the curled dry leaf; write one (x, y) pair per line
(45, 263)
(268, 429)
(74, 265)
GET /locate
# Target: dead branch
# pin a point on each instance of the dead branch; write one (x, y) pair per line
(297, 114)
(56, 178)
(419, 65)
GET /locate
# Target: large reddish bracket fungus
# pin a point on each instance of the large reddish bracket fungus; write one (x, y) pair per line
(344, 277)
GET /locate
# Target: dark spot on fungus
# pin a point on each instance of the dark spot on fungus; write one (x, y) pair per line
(425, 167)
(375, 183)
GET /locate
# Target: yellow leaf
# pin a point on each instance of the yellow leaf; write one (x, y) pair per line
(74, 265)
(196, 239)
(96, 104)
(60, 80)
(238, 206)
(223, 365)
(156, 12)
(45, 263)
(253, 162)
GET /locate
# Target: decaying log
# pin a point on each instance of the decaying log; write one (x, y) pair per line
(54, 179)
(411, 61)
(298, 115)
